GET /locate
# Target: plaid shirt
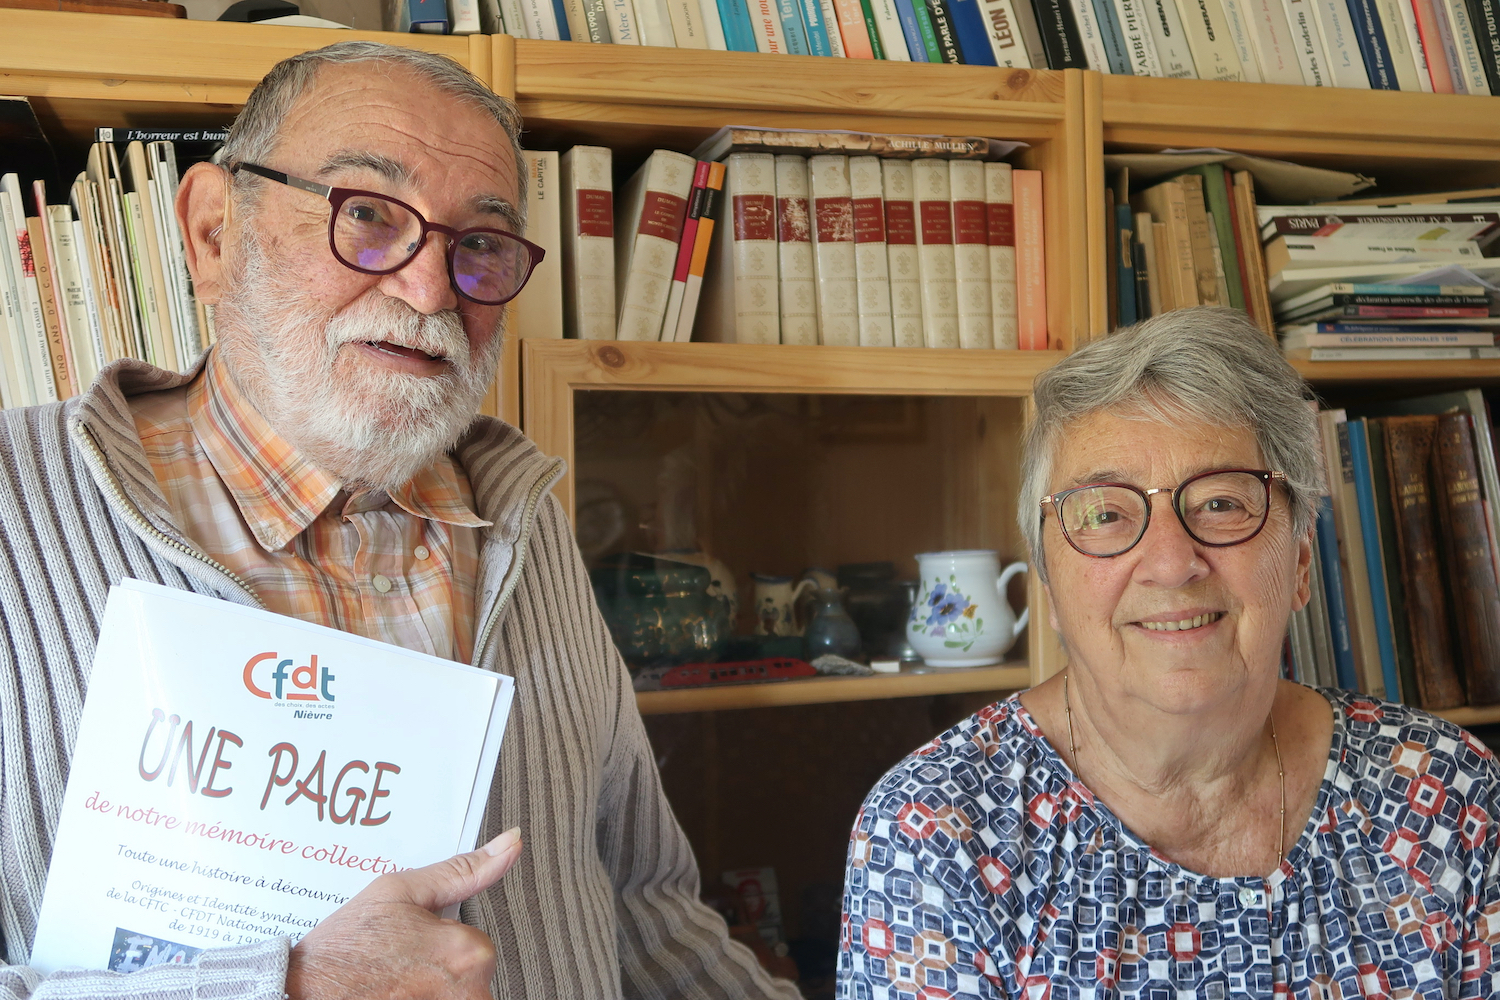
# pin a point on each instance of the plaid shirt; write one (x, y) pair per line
(398, 567)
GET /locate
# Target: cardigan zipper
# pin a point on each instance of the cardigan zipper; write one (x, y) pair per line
(528, 520)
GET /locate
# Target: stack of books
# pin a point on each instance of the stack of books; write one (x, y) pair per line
(775, 237)
(1383, 283)
(1405, 603)
(1441, 46)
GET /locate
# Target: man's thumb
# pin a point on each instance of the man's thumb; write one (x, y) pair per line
(464, 875)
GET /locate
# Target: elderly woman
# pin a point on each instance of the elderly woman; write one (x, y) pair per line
(1168, 817)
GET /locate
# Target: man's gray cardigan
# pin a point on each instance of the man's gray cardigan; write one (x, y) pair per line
(603, 902)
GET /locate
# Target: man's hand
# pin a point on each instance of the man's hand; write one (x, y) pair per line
(388, 942)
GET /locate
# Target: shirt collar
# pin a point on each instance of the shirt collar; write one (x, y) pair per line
(278, 490)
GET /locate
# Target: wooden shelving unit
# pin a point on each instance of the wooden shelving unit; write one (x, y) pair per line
(820, 690)
(1482, 715)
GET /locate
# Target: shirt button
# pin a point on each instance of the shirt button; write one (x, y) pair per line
(383, 584)
(421, 552)
(1248, 896)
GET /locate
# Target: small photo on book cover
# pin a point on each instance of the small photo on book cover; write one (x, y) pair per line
(134, 951)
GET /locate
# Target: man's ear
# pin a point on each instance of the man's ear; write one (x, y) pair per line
(203, 213)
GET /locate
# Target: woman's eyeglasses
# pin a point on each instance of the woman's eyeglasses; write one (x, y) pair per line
(376, 234)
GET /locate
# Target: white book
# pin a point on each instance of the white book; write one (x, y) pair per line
(538, 311)
(932, 193)
(540, 18)
(831, 24)
(1207, 32)
(1408, 15)
(1172, 47)
(72, 304)
(648, 226)
(1031, 35)
(237, 720)
(1346, 65)
(1287, 284)
(833, 250)
(902, 253)
(15, 327)
(38, 354)
(1334, 251)
(1470, 59)
(577, 18)
(94, 357)
(1000, 204)
(1403, 62)
(971, 253)
(1241, 33)
(888, 26)
(142, 218)
(740, 302)
(1088, 33)
(100, 272)
(1272, 38)
(162, 160)
(765, 22)
(1140, 45)
(871, 264)
(463, 17)
(654, 21)
(622, 22)
(688, 30)
(798, 293)
(1306, 42)
(588, 242)
(713, 25)
(1004, 30)
(104, 168)
(1146, 229)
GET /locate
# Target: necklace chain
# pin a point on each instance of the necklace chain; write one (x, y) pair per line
(1280, 770)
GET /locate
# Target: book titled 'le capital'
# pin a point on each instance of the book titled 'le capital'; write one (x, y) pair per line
(239, 775)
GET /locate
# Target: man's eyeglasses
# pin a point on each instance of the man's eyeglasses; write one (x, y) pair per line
(376, 234)
(1220, 508)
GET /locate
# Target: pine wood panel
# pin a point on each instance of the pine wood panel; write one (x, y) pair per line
(1371, 372)
(667, 77)
(1097, 228)
(1482, 715)
(821, 690)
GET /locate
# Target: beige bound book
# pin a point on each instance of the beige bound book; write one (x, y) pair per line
(871, 265)
(833, 250)
(739, 304)
(794, 252)
(538, 311)
(648, 219)
(588, 243)
(902, 254)
(971, 254)
(999, 201)
(931, 191)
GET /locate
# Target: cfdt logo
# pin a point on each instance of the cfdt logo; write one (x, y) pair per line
(277, 678)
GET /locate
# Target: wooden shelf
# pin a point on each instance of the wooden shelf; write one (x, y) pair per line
(1398, 371)
(1482, 715)
(909, 683)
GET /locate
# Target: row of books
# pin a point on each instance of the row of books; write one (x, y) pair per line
(1405, 602)
(909, 250)
(101, 278)
(1441, 46)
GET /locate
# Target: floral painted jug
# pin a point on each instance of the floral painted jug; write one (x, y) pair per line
(961, 617)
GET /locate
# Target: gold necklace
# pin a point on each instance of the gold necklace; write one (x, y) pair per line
(1280, 771)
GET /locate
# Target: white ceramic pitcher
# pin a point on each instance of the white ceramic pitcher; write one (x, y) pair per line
(961, 617)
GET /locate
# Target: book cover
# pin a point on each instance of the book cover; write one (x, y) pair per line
(538, 310)
(1370, 36)
(1364, 490)
(739, 33)
(649, 218)
(740, 303)
(970, 22)
(685, 246)
(1360, 604)
(1059, 31)
(1334, 595)
(971, 254)
(902, 253)
(871, 261)
(148, 256)
(702, 242)
(1204, 239)
(73, 296)
(1090, 35)
(1433, 49)
(1167, 203)
(463, 17)
(587, 226)
(940, 14)
(852, 30)
(1220, 217)
(1140, 46)
(1146, 249)
(830, 14)
(892, 32)
(689, 31)
(57, 346)
(161, 159)
(932, 194)
(1395, 354)
(1471, 569)
(872, 28)
(713, 23)
(1248, 247)
(220, 750)
(1385, 517)
(932, 51)
(1172, 47)
(33, 351)
(1346, 66)
(1123, 248)
(1467, 44)
(653, 22)
(794, 252)
(1003, 28)
(819, 39)
(1294, 338)
(1296, 252)
(833, 250)
(1394, 15)
(1303, 25)
(1031, 260)
(1239, 20)
(1380, 224)
(999, 206)
(1486, 21)
(1111, 36)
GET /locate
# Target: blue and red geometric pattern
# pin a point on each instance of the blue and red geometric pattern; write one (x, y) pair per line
(981, 867)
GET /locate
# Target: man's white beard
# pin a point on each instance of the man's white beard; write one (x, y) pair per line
(371, 427)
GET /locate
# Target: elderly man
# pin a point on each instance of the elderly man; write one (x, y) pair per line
(324, 462)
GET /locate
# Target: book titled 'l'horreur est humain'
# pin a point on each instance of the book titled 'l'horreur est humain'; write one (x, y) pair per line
(239, 775)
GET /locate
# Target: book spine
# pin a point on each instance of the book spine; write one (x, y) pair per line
(1364, 488)
(794, 251)
(1059, 34)
(1407, 12)
(934, 207)
(973, 32)
(833, 250)
(1004, 32)
(30, 324)
(1317, 613)
(739, 33)
(1242, 33)
(73, 295)
(892, 33)
(792, 28)
(540, 15)
(750, 278)
(713, 23)
(652, 221)
(1440, 73)
(1031, 36)
(1207, 37)
(1306, 43)
(702, 243)
(1466, 42)
(1385, 518)
(588, 242)
(1031, 260)
(971, 254)
(57, 350)
(15, 388)
(570, 13)
(1393, 27)
(539, 308)
(1145, 250)
(1333, 593)
(1139, 44)
(1442, 339)
(1111, 35)
(817, 31)
(830, 17)
(1124, 258)
(1409, 455)
(852, 29)
(1272, 38)
(687, 22)
(1471, 569)
(1351, 542)
(911, 31)
(561, 14)
(1171, 41)
(871, 260)
(685, 246)
(933, 50)
(1346, 66)
(93, 303)
(1486, 21)
(902, 253)
(999, 200)
(872, 27)
(765, 21)
(1089, 35)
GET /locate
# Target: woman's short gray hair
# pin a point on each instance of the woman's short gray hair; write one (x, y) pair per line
(257, 130)
(1206, 364)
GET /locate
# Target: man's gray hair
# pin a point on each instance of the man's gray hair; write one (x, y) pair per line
(1206, 365)
(256, 132)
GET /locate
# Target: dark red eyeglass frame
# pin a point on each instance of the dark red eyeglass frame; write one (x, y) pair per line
(1266, 476)
(336, 196)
